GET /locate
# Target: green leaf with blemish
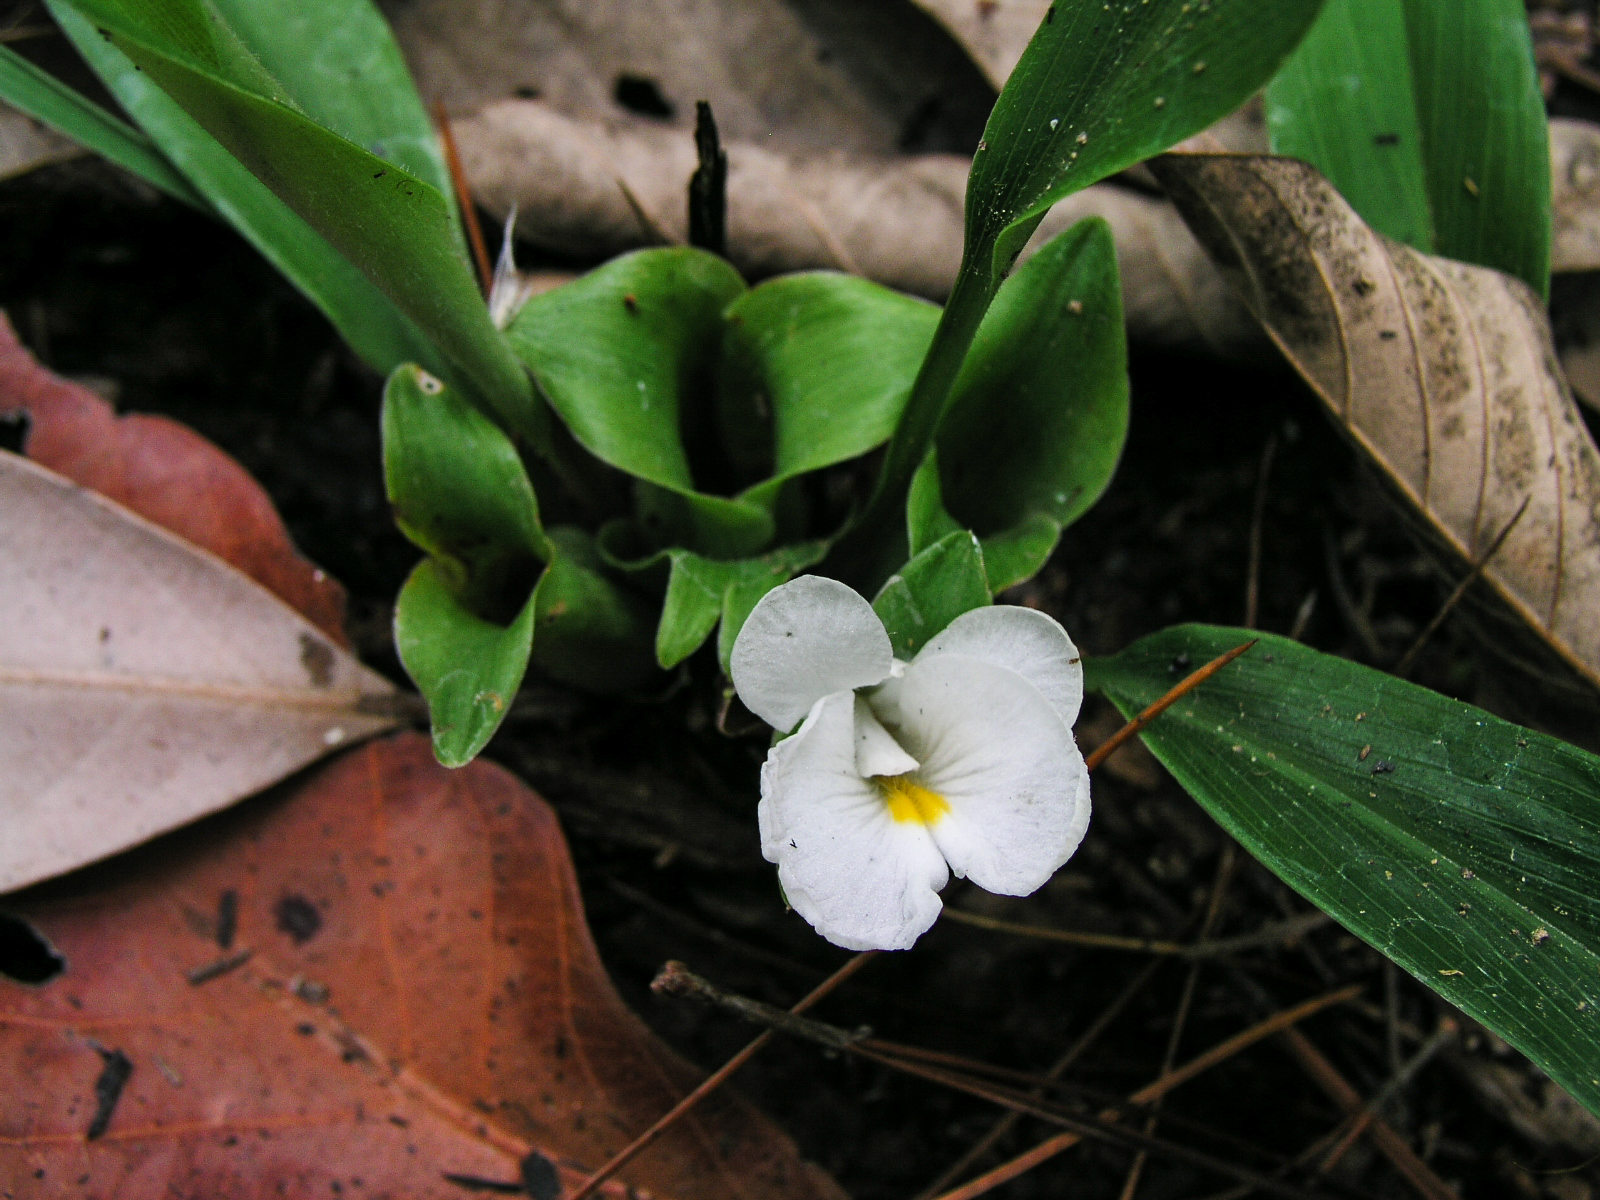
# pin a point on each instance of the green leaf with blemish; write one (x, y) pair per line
(1462, 846)
(1427, 116)
(931, 590)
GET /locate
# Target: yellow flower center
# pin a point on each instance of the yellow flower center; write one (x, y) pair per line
(908, 800)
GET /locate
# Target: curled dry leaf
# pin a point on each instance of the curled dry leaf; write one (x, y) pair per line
(421, 1012)
(144, 682)
(1442, 374)
(26, 144)
(590, 190)
(1574, 195)
(993, 32)
(168, 474)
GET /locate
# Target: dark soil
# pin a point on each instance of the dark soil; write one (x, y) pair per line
(168, 312)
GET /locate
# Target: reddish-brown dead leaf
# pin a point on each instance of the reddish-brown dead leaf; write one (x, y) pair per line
(421, 999)
(168, 474)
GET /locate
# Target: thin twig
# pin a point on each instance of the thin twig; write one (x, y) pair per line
(715, 1080)
(469, 211)
(1446, 1033)
(1049, 1148)
(653, 228)
(1195, 678)
(1252, 588)
(675, 979)
(1268, 935)
(1059, 1068)
(1180, 1019)
(1455, 597)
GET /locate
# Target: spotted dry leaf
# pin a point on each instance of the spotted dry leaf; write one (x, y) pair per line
(1442, 374)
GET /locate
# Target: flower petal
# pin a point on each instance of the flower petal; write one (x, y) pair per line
(994, 749)
(1025, 640)
(862, 879)
(877, 753)
(807, 639)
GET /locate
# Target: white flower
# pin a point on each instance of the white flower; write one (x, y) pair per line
(960, 760)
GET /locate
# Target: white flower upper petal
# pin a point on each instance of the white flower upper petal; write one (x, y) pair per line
(807, 639)
(998, 754)
(1024, 640)
(877, 753)
(862, 879)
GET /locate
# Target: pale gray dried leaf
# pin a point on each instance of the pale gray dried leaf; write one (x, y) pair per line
(143, 682)
(26, 144)
(1443, 374)
(794, 75)
(993, 32)
(1574, 195)
(594, 191)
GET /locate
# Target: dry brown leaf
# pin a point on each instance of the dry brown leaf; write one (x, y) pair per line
(1443, 374)
(896, 219)
(1574, 195)
(421, 999)
(144, 682)
(993, 32)
(798, 76)
(26, 144)
(168, 474)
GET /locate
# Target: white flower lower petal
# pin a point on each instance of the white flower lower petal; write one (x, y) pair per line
(1027, 641)
(863, 879)
(877, 753)
(995, 751)
(807, 639)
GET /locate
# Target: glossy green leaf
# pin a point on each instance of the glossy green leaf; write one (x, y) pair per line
(815, 370)
(45, 98)
(1009, 556)
(382, 335)
(1464, 847)
(591, 632)
(338, 62)
(1039, 413)
(702, 591)
(467, 668)
(931, 590)
(1427, 116)
(626, 355)
(396, 227)
(1100, 86)
(464, 622)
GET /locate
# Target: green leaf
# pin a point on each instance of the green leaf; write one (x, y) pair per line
(1464, 847)
(45, 98)
(815, 370)
(1039, 413)
(702, 591)
(377, 330)
(467, 668)
(933, 589)
(626, 356)
(1427, 116)
(392, 224)
(464, 622)
(1100, 87)
(592, 633)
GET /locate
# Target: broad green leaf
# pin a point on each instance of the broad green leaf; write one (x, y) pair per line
(591, 632)
(339, 64)
(377, 330)
(1100, 87)
(1464, 847)
(45, 98)
(392, 224)
(815, 370)
(1427, 116)
(467, 668)
(933, 589)
(464, 621)
(626, 355)
(1009, 557)
(1039, 413)
(702, 591)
